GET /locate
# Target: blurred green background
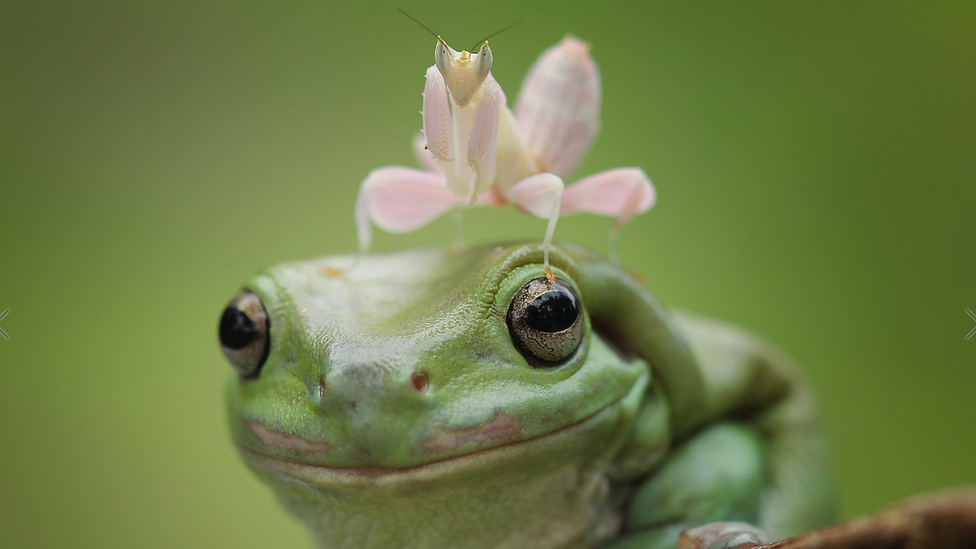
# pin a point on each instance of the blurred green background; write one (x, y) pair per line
(814, 162)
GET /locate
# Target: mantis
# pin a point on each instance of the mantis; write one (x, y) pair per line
(476, 151)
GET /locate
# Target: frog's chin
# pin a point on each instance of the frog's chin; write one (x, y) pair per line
(565, 440)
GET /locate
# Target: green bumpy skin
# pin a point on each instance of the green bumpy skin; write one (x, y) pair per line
(393, 410)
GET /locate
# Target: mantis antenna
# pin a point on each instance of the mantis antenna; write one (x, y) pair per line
(417, 21)
(494, 34)
(476, 44)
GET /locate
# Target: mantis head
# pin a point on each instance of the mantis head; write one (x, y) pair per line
(464, 72)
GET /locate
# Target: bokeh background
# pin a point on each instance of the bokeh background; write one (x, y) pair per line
(814, 162)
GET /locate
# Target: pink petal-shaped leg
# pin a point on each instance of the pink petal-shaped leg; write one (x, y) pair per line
(541, 196)
(558, 107)
(621, 193)
(438, 127)
(483, 140)
(400, 200)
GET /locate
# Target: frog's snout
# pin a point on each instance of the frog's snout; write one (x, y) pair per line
(356, 387)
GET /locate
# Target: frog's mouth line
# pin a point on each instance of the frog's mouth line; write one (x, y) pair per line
(321, 474)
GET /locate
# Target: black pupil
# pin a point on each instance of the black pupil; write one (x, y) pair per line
(236, 329)
(552, 312)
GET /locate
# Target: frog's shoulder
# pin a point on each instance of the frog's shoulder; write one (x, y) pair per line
(723, 347)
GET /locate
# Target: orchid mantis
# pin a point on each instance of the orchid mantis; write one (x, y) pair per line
(476, 151)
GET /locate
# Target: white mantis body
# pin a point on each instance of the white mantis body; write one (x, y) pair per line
(476, 151)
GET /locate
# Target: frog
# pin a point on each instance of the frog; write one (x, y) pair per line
(437, 398)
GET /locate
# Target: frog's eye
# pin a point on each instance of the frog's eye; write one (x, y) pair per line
(244, 333)
(545, 320)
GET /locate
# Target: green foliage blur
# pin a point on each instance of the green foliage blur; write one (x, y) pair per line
(814, 163)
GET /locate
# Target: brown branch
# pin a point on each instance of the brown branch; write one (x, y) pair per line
(944, 520)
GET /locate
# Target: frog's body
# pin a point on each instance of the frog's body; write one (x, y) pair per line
(394, 410)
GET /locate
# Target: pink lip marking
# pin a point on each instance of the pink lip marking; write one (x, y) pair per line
(501, 427)
(274, 439)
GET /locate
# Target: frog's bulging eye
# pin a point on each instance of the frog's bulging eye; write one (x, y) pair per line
(545, 320)
(244, 333)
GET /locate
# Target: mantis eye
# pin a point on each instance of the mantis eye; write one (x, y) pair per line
(244, 335)
(442, 56)
(545, 320)
(484, 62)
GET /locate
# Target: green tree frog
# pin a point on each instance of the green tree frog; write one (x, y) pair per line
(469, 400)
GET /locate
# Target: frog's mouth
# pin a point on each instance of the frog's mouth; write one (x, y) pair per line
(564, 440)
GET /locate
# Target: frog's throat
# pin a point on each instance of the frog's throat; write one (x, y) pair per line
(319, 475)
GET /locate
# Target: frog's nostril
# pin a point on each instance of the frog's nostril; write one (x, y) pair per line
(419, 381)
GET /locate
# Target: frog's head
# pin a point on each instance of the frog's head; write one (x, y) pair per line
(422, 364)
